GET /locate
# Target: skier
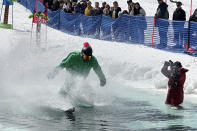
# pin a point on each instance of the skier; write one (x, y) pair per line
(177, 76)
(80, 63)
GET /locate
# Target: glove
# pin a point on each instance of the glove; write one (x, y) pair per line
(102, 82)
(52, 74)
(167, 63)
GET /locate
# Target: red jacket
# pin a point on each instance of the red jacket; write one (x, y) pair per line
(176, 81)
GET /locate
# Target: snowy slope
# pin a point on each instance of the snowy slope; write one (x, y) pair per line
(24, 69)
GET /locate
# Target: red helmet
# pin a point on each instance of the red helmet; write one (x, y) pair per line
(87, 49)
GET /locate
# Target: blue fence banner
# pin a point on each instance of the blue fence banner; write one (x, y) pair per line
(7, 2)
(175, 36)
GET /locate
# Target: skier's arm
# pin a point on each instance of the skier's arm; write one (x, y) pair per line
(165, 71)
(53, 73)
(64, 64)
(99, 72)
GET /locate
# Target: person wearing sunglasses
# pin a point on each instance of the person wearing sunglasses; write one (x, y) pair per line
(80, 63)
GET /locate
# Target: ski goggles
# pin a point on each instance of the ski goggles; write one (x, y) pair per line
(86, 58)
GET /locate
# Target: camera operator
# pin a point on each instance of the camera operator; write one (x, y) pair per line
(177, 76)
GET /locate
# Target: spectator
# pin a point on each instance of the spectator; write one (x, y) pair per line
(74, 7)
(107, 6)
(48, 3)
(55, 6)
(61, 4)
(74, 1)
(97, 10)
(81, 6)
(88, 9)
(109, 9)
(67, 6)
(141, 23)
(138, 10)
(129, 5)
(125, 12)
(115, 10)
(179, 13)
(162, 10)
(194, 16)
(193, 37)
(162, 13)
(178, 26)
(106, 12)
(103, 6)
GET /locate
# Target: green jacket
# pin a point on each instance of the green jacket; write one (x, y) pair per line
(76, 65)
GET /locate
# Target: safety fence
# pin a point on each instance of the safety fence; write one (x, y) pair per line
(175, 36)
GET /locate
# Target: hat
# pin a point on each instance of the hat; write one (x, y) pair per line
(87, 49)
(179, 3)
(86, 44)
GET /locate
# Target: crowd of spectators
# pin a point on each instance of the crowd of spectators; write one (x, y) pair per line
(85, 7)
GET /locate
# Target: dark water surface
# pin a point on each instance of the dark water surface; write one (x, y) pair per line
(138, 111)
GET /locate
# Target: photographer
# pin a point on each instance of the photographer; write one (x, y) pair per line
(177, 76)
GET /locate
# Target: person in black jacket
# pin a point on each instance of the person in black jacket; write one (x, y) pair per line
(194, 16)
(179, 13)
(55, 6)
(48, 3)
(162, 13)
(179, 17)
(81, 6)
(97, 10)
(192, 25)
(103, 6)
(115, 10)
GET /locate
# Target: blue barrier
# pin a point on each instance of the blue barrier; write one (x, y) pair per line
(168, 34)
(7, 2)
(193, 35)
